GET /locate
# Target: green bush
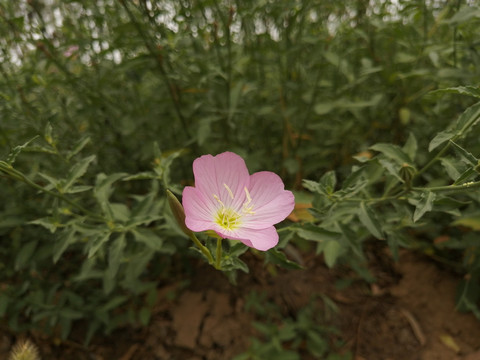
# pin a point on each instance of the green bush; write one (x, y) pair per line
(114, 99)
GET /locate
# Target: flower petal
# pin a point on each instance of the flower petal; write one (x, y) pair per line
(260, 239)
(224, 176)
(199, 209)
(271, 202)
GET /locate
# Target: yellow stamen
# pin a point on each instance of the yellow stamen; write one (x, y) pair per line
(228, 219)
(220, 201)
(229, 191)
(248, 209)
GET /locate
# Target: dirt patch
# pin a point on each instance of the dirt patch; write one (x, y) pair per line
(409, 313)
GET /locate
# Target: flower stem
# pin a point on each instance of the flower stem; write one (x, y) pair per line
(218, 256)
(202, 248)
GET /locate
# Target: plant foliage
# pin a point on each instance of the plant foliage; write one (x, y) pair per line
(368, 108)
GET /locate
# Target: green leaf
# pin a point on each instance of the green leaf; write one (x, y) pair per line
(393, 152)
(410, 148)
(464, 155)
(463, 15)
(471, 221)
(113, 303)
(331, 252)
(78, 189)
(235, 95)
(59, 247)
(424, 205)
(465, 122)
(97, 242)
(136, 265)
(103, 185)
(78, 147)
(232, 263)
(48, 133)
(465, 176)
(462, 90)
(324, 108)
(77, 171)
(392, 168)
(278, 258)
(328, 182)
(103, 190)
(451, 168)
(142, 220)
(48, 223)
(311, 185)
(149, 238)
(440, 138)
(314, 233)
(115, 256)
(54, 183)
(316, 344)
(16, 151)
(369, 220)
(237, 249)
(71, 313)
(144, 315)
(25, 254)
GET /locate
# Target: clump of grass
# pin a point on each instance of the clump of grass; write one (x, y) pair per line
(24, 350)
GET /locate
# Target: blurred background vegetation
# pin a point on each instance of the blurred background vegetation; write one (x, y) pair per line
(124, 94)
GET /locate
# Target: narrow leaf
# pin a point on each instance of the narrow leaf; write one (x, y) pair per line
(328, 181)
(77, 171)
(425, 205)
(393, 152)
(440, 138)
(462, 90)
(278, 258)
(16, 150)
(313, 233)
(115, 256)
(331, 252)
(411, 146)
(25, 254)
(464, 155)
(63, 243)
(97, 242)
(369, 220)
(472, 221)
(468, 119)
(465, 176)
(78, 147)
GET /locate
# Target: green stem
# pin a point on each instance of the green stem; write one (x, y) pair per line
(17, 175)
(450, 188)
(218, 256)
(435, 159)
(202, 248)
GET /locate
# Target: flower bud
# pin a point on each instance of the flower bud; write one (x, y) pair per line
(407, 172)
(178, 212)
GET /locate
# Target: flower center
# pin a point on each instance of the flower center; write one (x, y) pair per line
(229, 218)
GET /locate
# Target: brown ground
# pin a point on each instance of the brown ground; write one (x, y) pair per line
(408, 314)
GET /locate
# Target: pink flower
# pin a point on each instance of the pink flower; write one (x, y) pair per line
(234, 204)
